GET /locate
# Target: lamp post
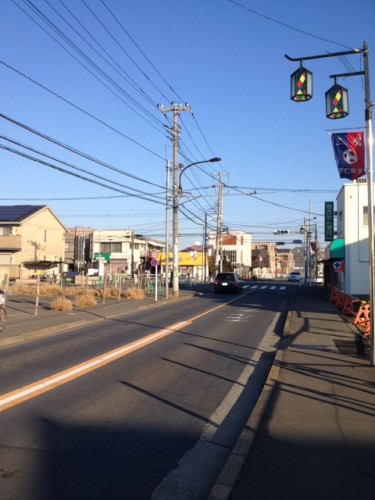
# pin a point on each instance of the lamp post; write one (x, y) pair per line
(337, 107)
(177, 189)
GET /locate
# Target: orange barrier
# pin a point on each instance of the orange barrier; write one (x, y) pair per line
(340, 300)
(333, 296)
(362, 319)
(351, 306)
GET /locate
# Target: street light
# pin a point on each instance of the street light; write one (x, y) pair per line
(183, 168)
(332, 102)
(176, 192)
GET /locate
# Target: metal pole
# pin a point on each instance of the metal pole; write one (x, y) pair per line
(370, 194)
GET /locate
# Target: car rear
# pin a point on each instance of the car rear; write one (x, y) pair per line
(227, 282)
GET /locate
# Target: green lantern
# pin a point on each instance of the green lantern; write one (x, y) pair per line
(337, 102)
(301, 85)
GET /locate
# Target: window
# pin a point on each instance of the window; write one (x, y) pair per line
(110, 247)
(45, 236)
(231, 255)
(67, 246)
(5, 231)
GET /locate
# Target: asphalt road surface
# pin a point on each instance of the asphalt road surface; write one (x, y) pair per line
(145, 406)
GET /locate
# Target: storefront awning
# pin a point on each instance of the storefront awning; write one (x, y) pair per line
(336, 250)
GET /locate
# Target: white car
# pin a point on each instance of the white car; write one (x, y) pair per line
(294, 276)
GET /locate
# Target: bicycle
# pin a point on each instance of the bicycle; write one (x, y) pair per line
(3, 313)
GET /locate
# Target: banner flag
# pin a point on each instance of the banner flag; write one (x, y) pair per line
(349, 154)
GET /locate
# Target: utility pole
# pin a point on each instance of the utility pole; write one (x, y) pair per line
(204, 250)
(175, 109)
(167, 234)
(219, 227)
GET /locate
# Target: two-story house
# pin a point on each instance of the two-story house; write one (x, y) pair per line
(32, 240)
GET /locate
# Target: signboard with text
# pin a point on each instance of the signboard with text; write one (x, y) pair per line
(328, 221)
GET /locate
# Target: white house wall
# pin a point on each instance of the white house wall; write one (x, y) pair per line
(350, 203)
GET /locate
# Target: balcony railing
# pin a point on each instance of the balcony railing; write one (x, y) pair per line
(11, 243)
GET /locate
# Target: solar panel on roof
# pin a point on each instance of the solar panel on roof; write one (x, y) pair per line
(15, 213)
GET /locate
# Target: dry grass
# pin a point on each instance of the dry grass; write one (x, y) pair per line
(81, 296)
(45, 290)
(134, 294)
(85, 300)
(62, 304)
(111, 293)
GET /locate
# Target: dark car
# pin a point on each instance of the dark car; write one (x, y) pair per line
(227, 282)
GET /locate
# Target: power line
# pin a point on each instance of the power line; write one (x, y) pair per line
(55, 167)
(24, 146)
(78, 152)
(289, 26)
(88, 60)
(102, 122)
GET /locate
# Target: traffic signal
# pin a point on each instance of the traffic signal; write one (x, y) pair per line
(281, 231)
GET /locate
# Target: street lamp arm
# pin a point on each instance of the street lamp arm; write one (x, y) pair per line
(211, 160)
(321, 56)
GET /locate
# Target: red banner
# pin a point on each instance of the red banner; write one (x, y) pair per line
(349, 154)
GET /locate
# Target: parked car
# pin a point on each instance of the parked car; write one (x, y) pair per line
(227, 282)
(70, 276)
(294, 276)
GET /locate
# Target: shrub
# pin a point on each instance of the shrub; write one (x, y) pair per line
(85, 300)
(134, 294)
(62, 304)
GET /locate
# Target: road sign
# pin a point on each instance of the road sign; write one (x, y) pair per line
(338, 265)
(154, 254)
(154, 262)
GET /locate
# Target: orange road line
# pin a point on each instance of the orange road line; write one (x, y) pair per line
(27, 392)
(18, 396)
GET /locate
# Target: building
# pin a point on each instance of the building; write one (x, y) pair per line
(233, 247)
(351, 266)
(77, 248)
(285, 263)
(263, 259)
(121, 251)
(32, 241)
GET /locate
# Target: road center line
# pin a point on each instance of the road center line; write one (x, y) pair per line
(30, 391)
(35, 389)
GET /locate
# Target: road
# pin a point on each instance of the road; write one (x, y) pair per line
(144, 406)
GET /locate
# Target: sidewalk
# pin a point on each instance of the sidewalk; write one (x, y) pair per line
(312, 435)
(24, 325)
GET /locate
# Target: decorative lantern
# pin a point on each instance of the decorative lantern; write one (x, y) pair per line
(337, 102)
(301, 85)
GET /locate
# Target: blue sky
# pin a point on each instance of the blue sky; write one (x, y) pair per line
(95, 89)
